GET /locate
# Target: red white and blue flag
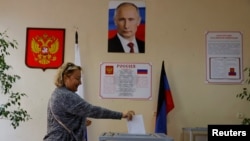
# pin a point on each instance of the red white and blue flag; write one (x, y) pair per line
(142, 71)
(165, 103)
(80, 90)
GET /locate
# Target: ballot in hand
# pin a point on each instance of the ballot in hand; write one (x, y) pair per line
(129, 115)
(136, 126)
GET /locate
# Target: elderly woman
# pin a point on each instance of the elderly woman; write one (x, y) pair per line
(67, 112)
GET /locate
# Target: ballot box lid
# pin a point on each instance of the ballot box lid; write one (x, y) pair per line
(112, 136)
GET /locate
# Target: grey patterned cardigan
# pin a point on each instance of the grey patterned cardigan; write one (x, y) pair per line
(72, 111)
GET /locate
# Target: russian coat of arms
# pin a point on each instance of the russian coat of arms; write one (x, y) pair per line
(44, 48)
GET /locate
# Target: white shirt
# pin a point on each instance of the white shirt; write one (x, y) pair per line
(125, 44)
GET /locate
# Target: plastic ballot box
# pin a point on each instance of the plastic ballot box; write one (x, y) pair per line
(111, 136)
(194, 134)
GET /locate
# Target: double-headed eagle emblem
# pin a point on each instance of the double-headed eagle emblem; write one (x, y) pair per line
(44, 49)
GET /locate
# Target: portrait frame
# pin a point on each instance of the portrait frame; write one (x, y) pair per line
(115, 45)
(44, 47)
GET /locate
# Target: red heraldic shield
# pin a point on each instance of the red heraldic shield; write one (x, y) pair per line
(45, 48)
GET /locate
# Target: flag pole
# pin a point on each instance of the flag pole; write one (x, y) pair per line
(76, 37)
(80, 90)
(165, 102)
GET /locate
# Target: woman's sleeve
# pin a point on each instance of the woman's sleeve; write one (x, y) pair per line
(82, 108)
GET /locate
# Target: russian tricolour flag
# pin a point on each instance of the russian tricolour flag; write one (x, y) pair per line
(142, 71)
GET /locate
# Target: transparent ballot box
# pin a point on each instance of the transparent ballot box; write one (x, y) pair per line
(111, 136)
(194, 134)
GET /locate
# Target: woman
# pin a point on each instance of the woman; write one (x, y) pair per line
(67, 112)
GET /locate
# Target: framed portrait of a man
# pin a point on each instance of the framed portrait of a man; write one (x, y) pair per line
(126, 27)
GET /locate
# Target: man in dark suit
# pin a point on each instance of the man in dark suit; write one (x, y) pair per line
(127, 19)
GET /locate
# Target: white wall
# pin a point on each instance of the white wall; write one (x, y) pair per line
(175, 32)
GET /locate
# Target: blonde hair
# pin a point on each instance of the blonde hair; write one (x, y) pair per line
(65, 70)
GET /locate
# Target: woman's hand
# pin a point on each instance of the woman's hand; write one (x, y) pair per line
(88, 122)
(129, 115)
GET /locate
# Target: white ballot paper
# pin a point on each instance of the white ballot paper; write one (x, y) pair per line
(136, 125)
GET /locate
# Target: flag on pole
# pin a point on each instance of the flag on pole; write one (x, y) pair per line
(165, 103)
(80, 90)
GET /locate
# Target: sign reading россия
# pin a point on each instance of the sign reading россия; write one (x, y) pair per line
(223, 132)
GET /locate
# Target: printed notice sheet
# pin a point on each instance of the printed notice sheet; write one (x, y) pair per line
(224, 57)
(125, 80)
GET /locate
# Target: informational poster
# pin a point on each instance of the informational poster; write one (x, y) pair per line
(125, 80)
(224, 57)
